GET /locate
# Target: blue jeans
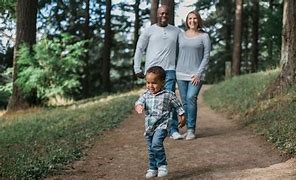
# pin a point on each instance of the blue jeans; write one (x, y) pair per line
(170, 84)
(156, 152)
(189, 94)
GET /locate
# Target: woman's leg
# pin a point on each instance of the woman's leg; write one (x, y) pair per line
(183, 88)
(191, 100)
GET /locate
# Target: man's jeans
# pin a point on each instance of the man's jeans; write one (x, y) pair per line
(156, 152)
(189, 94)
(170, 84)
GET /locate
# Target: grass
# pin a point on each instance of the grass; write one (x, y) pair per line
(273, 118)
(34, 145)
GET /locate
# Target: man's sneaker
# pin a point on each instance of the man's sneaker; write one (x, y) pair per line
(176, 136)
(162, 171)
(190, 134)
(151, 173)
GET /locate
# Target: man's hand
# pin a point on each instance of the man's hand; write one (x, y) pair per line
(140, 75)
(182, 121)
(139, 108)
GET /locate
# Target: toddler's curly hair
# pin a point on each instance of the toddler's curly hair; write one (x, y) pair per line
(159, 71)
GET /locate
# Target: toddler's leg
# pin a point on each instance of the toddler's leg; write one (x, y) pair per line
(151, 155)
(158, 147)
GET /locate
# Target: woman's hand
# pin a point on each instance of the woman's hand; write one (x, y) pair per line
(195, 80)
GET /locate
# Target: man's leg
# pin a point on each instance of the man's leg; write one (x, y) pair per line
(170, 84)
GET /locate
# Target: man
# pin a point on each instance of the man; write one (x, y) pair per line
(159, 43)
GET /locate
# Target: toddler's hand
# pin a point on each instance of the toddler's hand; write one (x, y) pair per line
(139, 108)
(182, 121)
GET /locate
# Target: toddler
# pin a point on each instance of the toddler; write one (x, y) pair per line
(158, 104)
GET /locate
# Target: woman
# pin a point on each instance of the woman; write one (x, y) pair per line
(194, 51)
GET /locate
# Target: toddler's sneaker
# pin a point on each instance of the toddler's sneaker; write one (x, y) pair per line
(190, 134)
(176, 136)
(151, 173)
(162, 171)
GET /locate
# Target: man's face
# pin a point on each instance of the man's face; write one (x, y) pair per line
(163, 16)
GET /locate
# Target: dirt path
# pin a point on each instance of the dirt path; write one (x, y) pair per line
(223, 150)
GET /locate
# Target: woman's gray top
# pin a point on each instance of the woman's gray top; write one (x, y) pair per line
(193, 56)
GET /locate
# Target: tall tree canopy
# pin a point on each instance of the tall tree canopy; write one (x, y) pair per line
(108, 61)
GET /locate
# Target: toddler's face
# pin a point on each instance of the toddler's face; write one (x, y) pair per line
(153, 83)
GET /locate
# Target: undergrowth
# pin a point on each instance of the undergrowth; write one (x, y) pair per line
(34, 145)
(273, 118)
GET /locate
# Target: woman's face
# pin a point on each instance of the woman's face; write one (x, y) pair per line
(192, 21)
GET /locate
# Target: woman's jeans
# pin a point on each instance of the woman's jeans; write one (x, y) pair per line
(170, 84)
(189, 94)
(156, 152)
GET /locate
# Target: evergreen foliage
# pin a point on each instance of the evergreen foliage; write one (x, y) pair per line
(52, 69)
(58, 16)
(219, 24)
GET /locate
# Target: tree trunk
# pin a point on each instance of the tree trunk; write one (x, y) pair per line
(106, 64)
(245, 53)
(86, 79)
(270, 40)
(227, 35)
(255, 36)
(287, 77)
(288, 52)
(236, 56)
(137, 23)
(26, 17)
(153, 11)
(136, 31)
(171, 5)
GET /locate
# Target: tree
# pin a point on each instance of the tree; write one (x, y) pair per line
(26, 17)
(287, 76)
(137, 23)
(153, 11)
(136, 30)
(86, 79)
(106, 64)
(171, 5)
(236, 55)
(255, 35)
(270, 40)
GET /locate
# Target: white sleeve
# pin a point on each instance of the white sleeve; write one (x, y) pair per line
(140, 50)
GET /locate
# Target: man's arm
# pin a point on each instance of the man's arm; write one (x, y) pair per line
(140, 51)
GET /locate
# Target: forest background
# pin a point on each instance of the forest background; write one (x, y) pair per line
(67, 64)
(80, 49)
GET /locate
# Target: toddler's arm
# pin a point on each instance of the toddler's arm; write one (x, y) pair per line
(182, 121)
(139, 108)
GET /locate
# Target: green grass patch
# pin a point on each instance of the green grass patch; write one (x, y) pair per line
(37, 144)
(240, 93)
(273, 118)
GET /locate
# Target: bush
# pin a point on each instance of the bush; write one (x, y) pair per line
(52, 69)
